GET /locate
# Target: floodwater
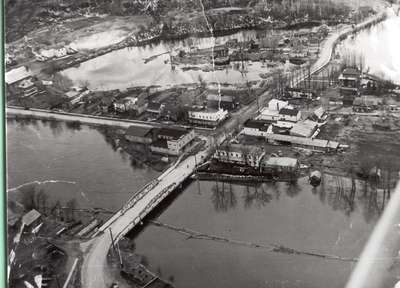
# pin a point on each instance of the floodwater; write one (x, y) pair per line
(82, 164)
(323, 220)
(298, 217)
(379, 48)
(126, 67)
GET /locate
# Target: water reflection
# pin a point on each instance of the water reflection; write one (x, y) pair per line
(340, 193)
(223, 196)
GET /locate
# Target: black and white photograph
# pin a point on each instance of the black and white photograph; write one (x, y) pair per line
(202, 143)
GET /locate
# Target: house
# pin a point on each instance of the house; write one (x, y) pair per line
(141, 134)
(291, 115)
(28, 87)
(319, 115)
(257, 128)
(349, 82)
(280, 165)
(138, 104)
(276, 105)
(172, 140)
(239, 154)
(305, 128)
(31, 218)
(155, 108)
(14, 77)
(208, 118)
(224, 102)
(271, 112)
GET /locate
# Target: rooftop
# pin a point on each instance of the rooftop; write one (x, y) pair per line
(281, 161)
(215, 97)
(138, 131)
(258, 124)
(351, 72)
(17, 74)
(289, 112)
(30, 217)
(251, 149)
(173, 132)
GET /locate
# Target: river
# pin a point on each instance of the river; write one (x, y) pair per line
(379, 48)
(296, 216)
(126, 67)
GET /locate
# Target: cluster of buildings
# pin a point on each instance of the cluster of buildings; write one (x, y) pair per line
(256, 158)
(165, 140)
(280, 122)
(19, 81)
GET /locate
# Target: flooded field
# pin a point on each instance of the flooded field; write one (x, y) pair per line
(126, 67)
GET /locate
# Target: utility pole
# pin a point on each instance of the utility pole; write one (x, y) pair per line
(112, 239)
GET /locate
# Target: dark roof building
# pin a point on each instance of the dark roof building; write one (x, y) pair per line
(289, 112)
(258, 124)
(172, 133)
(140, 134)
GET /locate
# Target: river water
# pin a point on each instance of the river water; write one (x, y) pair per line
(125, 68)
(296, 216)
(379, 47)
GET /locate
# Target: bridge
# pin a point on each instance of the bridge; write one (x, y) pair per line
(94, 272)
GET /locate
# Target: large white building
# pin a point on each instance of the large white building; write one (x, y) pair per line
(278, 110)
(208, 118)
(240, 154)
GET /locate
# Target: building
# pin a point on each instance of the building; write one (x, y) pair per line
(141, 134)
(276, 105)
(28, 87)
(31, 218)
(318, 145)
(172, 140)
(155, 108)
(224, 102)
(280, 165)
(138, 104)
(257, 128)
(271, 112)
(208, 118)
(305, 128)
(291, 115)
(14, 77)
(349, 82)
(319, 115)
(239, 154)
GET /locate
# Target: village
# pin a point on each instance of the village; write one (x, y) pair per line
(292, 119)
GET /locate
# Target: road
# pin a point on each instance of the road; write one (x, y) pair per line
(84, 119)
(329, 44)
(94, 272)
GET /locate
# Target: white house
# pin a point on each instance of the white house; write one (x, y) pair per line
(276, 105)
(136, 104)
(257, 128)
(240, 154)
(208, 118)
